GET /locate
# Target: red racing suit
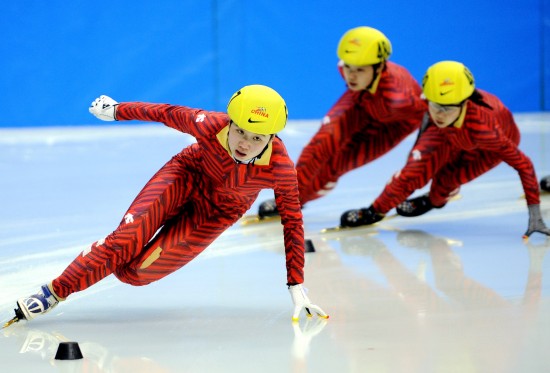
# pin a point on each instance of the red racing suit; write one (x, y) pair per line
(481, 138)
(359, 128)
(191, 200)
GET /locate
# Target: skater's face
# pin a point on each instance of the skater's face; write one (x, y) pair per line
(245, 145)
(359, 78)
(444, 115)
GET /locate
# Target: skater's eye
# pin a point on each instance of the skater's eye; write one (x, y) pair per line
(354, 69)
(443, 108)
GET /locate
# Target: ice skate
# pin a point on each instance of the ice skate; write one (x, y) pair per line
(357, 218)
(34, 305)
(415, 206)
(268, 209)
(267, 212)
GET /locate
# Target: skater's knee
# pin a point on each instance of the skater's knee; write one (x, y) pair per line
(135, 273)
(132, 277)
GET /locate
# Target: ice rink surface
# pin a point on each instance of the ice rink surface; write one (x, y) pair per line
(455, 290)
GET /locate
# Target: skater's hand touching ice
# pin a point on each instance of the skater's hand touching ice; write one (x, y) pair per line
(104, 108)
(536, 224)
(301, 301)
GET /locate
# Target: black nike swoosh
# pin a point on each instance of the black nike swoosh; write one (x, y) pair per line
(444, 93)
(255, 121)
(348, 51)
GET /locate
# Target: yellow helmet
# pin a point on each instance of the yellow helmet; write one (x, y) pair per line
(448, 83)
(258, 109)
(363, 45)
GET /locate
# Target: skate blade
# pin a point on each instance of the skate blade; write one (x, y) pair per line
(255, 219)
(367, 228)
(361, 227)
(12, 321)
(340, 229)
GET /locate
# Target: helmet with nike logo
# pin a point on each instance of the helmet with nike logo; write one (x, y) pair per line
(448, 83)
(364, 45)
(258, 109)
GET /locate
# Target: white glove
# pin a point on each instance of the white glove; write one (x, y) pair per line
(104, 108)
(536, 224)
(301, 301)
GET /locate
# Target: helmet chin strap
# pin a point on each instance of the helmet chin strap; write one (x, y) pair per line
(377, 70)
(462, 107)
(248, 161)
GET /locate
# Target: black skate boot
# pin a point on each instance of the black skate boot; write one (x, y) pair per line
(415, 206)
(268, 209)
(357, 218)
(545, 183)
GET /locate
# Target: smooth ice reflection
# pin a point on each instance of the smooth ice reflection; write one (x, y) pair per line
(456, 290)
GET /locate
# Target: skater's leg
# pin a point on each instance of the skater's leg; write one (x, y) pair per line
(466, 167)
(180, 240)
(364, 147)
(161, 199)
(429, 154)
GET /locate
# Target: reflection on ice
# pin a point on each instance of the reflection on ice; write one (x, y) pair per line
(454, 290)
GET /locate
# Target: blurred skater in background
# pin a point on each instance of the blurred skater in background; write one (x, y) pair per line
(470, 131)
(380, 108)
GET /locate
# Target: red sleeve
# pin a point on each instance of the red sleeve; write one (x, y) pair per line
(195, 122)
(495, 130)
(288, 203)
